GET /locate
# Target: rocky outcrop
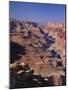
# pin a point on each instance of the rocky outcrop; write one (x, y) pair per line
(41, 47)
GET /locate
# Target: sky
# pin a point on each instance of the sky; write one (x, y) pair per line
(37, 12)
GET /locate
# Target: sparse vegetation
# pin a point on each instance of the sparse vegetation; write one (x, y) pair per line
(41, 50)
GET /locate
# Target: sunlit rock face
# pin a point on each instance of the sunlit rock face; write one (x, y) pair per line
(42, 47)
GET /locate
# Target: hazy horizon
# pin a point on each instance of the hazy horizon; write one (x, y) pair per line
(37, 12)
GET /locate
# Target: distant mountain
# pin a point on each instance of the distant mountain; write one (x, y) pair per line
(44, 45)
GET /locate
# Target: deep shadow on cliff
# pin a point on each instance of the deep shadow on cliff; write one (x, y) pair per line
(16, 51)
